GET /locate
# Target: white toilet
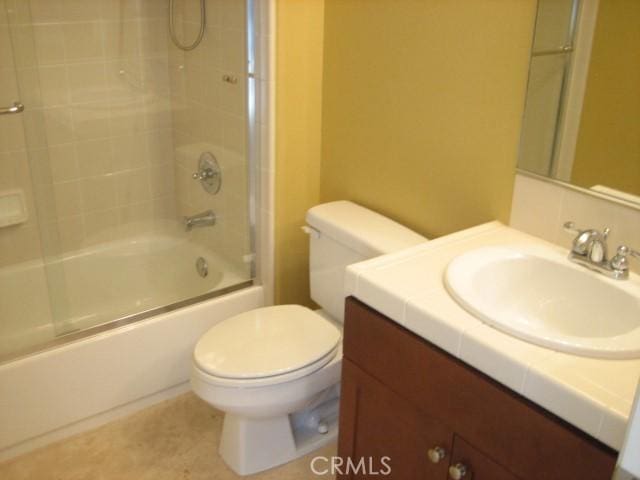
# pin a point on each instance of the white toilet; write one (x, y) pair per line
(275, 371)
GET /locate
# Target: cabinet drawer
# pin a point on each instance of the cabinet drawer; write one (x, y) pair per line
(527, 440)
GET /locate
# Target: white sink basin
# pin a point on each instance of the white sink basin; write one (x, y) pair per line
(538, 295)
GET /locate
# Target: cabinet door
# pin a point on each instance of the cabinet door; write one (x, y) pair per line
(467, 463)
(382, 433)
(533, 443)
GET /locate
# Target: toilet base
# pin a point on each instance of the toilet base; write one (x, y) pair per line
(250, 445)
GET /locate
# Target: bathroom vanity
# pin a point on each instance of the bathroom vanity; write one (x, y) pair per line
(443, 395)
(405, 398)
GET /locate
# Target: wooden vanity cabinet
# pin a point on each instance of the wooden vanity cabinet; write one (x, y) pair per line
(402, 397)
(383, 424)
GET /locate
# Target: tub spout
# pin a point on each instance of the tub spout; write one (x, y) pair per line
(204, 219)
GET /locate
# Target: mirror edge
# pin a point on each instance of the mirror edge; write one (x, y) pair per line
(585, 191)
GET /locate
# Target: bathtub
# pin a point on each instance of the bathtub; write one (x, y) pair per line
(70, 387)
(108, 281)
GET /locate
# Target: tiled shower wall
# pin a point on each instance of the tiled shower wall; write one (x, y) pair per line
(93, 76)
(209, 114)
(116, 118)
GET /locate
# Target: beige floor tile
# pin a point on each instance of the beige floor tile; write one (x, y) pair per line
(174, 440)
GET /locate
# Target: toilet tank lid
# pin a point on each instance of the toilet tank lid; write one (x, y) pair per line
(361, 229)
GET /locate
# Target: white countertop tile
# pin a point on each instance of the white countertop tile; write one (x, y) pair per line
(595, 395)
(618, 377)
(614, 426)
(427, 316)
(504, 358)
(577, 402)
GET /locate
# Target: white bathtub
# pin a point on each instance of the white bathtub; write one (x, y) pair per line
(105, 282)
(78, 385)
(59, 392)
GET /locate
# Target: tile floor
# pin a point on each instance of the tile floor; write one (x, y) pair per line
(174, 440)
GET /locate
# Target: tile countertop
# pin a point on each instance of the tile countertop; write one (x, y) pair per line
(593, 394)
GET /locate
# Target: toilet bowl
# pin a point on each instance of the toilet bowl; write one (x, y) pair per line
(275, 371)
(290, 369)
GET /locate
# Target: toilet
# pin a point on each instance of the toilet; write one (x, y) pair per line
(275, 371)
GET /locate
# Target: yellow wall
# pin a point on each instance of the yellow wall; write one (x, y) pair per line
(608, 148)
(419, 108)
(298, 115)
(422, 104)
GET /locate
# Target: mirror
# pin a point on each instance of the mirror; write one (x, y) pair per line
(582, 113)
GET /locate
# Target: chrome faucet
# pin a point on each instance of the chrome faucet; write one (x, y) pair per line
(590, 244)
(204, 219)
(589, 249)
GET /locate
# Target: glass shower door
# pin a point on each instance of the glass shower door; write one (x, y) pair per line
(26, 316)
(116, 121)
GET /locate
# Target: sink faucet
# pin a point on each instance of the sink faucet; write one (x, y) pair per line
(589, 249)
(591, 243)
(204, 219)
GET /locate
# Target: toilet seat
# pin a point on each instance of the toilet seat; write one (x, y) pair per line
(266, 346)
(267, 381)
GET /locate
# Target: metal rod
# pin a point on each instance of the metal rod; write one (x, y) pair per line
(553, 51)
(119, 322)
(17, 107)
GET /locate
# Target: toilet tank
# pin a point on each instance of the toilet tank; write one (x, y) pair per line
(342, 233)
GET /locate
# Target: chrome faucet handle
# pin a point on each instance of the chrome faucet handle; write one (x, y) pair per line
(620, 263)
(623, 251)
(571, 227)
(633, 253)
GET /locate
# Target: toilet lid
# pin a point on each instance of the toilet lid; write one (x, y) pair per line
(266, 342)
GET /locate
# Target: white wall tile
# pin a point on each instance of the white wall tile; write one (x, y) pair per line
(536, 207)
(540, 208)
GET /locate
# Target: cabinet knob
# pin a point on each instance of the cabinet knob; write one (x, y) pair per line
(458, 471)
(436, 454)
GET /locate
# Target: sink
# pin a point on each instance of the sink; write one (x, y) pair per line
(536, 294)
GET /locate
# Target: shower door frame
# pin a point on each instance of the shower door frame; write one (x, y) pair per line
(65, 338)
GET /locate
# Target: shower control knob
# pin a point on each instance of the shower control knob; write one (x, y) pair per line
(436, 454)
(204, 174)
(458, 471)
(209, 173)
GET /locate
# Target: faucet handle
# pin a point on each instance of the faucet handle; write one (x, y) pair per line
(571, 227)
(634, 253)
(623, 251)
(620, 263)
